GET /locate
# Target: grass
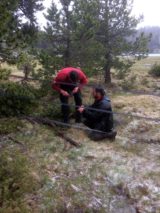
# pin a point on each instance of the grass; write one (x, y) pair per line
(13, 68)
(8, 126)
(97, 177)
(139, 77)
(77, 179)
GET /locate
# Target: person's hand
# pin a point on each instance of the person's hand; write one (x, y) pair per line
(75, 90)
(81, 109)
(64, 93)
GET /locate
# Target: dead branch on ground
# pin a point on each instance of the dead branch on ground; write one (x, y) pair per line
(51, 123)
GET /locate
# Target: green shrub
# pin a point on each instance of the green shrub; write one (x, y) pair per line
(95, 71)
(145, 81)
(45, 87)
(16, 99)
(15, 181)
(129, 83)
(11, 125)
(4, 73)
(52, 110)
(123, 68)
(155, 70)
(27, 64)
(121, 74)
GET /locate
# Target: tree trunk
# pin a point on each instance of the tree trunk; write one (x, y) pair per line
(107, 69)
(26, 72)
(67, 54)
(107, 74)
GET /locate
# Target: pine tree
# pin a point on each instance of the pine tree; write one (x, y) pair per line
(71, 31)
(94, 33)
(87, 50)
(117, 26)
(59, 29)
(8, 24)
(15, 33)
(29, 8)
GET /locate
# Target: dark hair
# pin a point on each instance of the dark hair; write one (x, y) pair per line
(100, 89)
(73, 76)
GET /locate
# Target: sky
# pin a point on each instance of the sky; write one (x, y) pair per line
(149, 8)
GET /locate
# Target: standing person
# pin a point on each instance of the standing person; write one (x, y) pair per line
(99, 116)
(69, 82)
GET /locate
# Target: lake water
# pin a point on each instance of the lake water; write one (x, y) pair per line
(149, 55)
(154, 55)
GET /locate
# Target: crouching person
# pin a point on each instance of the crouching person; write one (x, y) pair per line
(99, 116)
(69, 82)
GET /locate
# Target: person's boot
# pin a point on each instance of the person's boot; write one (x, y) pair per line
(111, 135)
(97, 136)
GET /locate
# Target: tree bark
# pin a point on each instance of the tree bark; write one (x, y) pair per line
(67, 53)
(26, 72)
(107, 74)
(108, 57)
(107, 69)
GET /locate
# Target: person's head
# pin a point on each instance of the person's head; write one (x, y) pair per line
(98, 92)
(73, 76)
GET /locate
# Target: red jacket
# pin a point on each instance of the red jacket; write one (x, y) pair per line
(63, 76)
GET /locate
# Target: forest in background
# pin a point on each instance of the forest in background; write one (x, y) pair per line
(91, 34)
(154, 44)
(95, 35)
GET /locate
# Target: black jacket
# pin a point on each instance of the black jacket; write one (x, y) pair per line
(100, 120)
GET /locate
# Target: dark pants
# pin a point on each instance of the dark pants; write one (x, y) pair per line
(65, 106)
(97, 134)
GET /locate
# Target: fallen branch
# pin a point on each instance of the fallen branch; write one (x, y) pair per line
(70, 140)
(15, 141)
(11, 138)
(23, 146)
(51, 123)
